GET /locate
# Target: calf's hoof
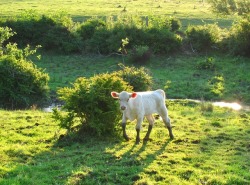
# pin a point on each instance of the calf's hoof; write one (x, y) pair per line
(126, 138)
(137, 141)
(145, 139)
(171, 137)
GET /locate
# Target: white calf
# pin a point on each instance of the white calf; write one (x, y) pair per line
(138, 105)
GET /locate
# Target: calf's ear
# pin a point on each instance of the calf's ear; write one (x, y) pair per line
(133, 95)
(114, 94)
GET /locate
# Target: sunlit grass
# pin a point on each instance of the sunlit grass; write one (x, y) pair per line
(209, 148)
(190, 12)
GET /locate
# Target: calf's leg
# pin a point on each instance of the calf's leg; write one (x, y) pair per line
(124, 122)
(169, 127)
(124, 131)
(167, 122)
(138, 128)
(151, 121)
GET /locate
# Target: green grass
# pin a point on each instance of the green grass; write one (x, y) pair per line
(181, 72)
(190, 12)
(76, 8)
(209, 148)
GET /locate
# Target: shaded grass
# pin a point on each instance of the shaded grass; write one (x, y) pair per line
(209, 148)
(182, 74)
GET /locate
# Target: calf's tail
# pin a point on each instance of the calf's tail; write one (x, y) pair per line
(162, 93)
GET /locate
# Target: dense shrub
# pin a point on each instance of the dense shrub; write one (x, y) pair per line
(107, 40)
(241, 7)
(52, 32)
(87, 29)
(58, 32)
(203, 38)
(140, 54)
(239, 38)
(175, 24)
(138, 78)
(22, 84)
(89, 102)
(98, 42)
(162, 41)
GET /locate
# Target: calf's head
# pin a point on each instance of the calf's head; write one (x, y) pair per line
(123, 98)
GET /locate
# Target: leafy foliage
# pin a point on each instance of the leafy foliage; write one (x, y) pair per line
(162, 41)
(52, 32)
(231, 6)
(140, 54)
(22, 84)
(238, 41)
(138, 78)
(203, 38)
(58, 32)
(90, 104)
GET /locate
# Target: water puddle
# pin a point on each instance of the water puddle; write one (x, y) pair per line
(51, 107)
(233, 106)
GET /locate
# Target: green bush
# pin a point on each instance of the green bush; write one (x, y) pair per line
(90, 104)
(107, 38)
(57, 32)
(239, 37)
(87, 29)
(138, 78)
(140, 54)
(98, 43)
(175, 24)
(203, 38)
(22, 84)
(52, 32)
(162, 41)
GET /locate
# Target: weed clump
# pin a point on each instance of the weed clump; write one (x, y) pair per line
(208, 63)
(206, 107)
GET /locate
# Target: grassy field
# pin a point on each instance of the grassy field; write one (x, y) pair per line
(180, 73)
(80, 8)
(190, 12)
(209, 148)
